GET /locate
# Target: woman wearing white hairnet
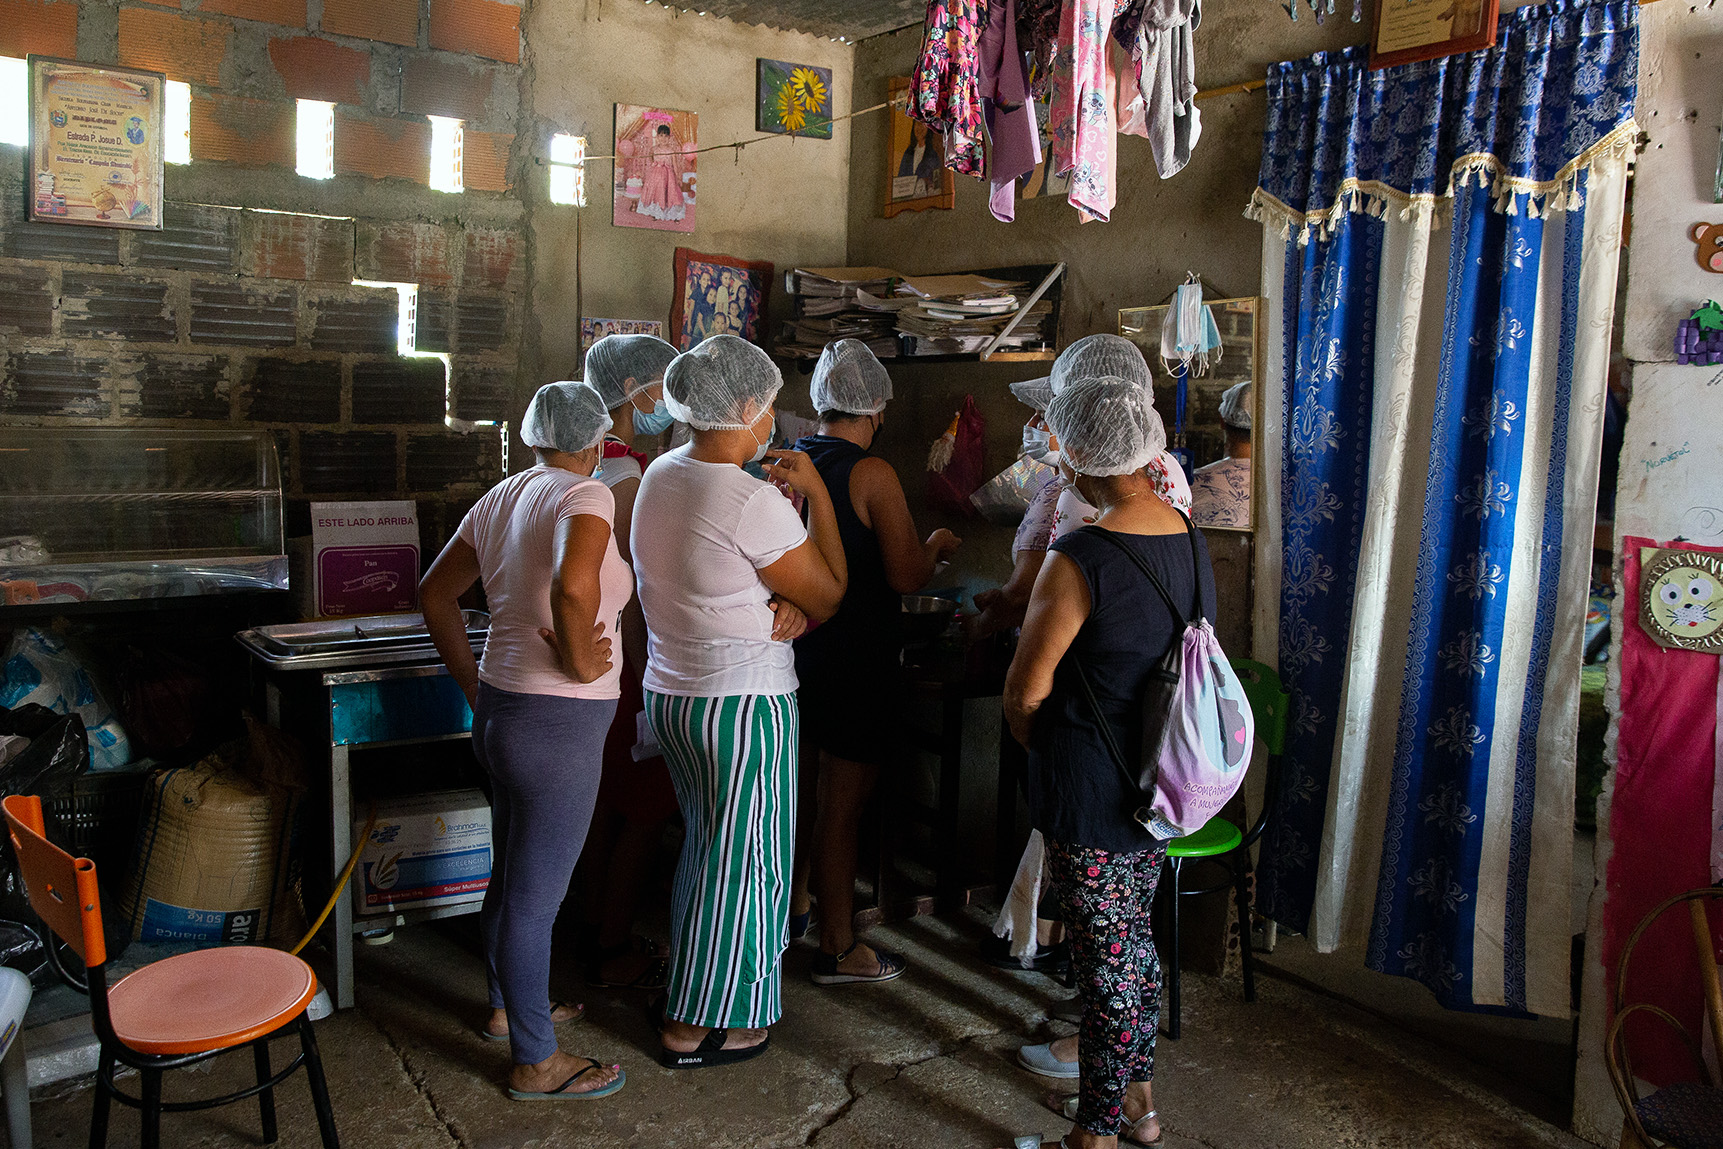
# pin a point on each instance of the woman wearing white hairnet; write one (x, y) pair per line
(1220, 492)
(1095, 615)
(635, 798)
(542, 701)
(712, 545)
(848, 667)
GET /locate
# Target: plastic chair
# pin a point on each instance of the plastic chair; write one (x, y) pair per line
(1221, 841)
(1688, 1114)
(175, 1012)
(14, 1074)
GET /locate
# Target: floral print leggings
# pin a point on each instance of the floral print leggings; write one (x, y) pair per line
(1104, 901)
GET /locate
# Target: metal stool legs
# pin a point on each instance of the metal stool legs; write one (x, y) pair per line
(1241, 884)
(152, 1107)
(1170, 957)
(319, 1087)
(99, 1117)
(265, 1099)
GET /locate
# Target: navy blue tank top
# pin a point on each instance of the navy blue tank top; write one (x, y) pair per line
(867, 629)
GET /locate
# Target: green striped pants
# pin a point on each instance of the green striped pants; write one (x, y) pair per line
(733, 763)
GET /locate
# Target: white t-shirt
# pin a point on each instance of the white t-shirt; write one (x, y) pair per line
(701, 533)
(513, 529)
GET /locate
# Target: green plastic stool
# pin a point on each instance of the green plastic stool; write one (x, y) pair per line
(1221, 841)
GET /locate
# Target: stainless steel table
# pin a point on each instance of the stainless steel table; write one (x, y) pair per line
(381, 683)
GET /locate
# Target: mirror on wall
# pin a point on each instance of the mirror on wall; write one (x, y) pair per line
(1222, 485)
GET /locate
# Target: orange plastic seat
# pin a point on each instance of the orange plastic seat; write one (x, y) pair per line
(175, 1012)
(210, 999)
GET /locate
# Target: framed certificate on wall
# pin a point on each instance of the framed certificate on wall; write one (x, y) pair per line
(1408, 30)
(95, 144)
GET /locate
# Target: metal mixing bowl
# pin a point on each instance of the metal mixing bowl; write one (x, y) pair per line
(926, 616)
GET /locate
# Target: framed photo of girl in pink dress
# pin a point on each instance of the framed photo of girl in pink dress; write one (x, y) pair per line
(654, 183)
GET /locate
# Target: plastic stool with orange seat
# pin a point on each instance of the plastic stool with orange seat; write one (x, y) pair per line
(175, 1012)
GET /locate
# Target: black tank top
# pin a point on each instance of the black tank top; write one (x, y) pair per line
(867, 628)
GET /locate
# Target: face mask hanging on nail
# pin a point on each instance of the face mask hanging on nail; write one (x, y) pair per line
(1189, 337)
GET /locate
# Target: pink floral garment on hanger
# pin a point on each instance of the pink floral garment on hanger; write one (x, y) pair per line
(1082, 121)
(945, 92)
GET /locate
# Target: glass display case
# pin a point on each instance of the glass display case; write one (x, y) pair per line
(91, 514)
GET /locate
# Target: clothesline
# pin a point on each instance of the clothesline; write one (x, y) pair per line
(901, 101)
(738, 145)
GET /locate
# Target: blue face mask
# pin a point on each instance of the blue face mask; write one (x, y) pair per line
(653, 422)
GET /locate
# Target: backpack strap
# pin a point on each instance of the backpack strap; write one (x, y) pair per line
(1196, 579)
(1113, 750)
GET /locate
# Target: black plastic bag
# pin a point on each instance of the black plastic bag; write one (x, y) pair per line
(59, 751)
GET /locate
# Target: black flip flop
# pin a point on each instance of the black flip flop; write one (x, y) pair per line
(710, 1053)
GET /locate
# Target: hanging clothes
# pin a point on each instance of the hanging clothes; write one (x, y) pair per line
(1038, 35)
(1011, 130)
(945, 92)
(1159, 36)
(1082, 121)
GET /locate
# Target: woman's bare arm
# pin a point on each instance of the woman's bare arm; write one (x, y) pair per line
(1057, 610)
(453, 572)
(813, 576)
(909, 561)
(579, 549)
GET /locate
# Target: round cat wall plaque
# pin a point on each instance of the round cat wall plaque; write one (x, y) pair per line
(1681, 599)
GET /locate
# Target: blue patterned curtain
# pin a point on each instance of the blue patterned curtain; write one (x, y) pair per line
(1441, 406)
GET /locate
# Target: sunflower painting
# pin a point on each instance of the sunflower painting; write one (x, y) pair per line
(794, 99)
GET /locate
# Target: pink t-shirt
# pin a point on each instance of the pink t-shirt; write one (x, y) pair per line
(513, 529)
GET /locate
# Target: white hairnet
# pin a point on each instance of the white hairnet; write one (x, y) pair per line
(1106, 426)
(1036, 393)
(1097, 356)
(1235, 406)
(622, 366)
(850, 379)
(565, 416)
(721, 385)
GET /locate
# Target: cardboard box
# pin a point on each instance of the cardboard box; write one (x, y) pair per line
(362, 558)
(425, 850)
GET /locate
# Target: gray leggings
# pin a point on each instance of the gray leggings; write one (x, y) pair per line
(543, 754)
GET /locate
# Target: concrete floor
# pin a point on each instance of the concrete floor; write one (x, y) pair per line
(924, 1062)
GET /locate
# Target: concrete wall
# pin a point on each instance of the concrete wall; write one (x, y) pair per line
(782, 200)
(1681, 111)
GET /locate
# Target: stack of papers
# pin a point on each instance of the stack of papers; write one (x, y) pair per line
(840, 303)
(962, 314)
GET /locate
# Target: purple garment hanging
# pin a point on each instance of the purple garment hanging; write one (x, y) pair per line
(1015, 141)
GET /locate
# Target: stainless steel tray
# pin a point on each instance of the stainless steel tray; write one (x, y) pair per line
(367, 640)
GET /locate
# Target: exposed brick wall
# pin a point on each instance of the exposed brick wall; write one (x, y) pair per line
(239, 314)
(181, 325)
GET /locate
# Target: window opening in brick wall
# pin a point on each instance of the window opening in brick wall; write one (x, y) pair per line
(176, 137)
(446, 154)
(568, 169)
(316, 139)
(408, 295)
(14, 101)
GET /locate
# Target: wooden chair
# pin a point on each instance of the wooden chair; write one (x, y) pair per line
(176, 1012)
(1687, 1115)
